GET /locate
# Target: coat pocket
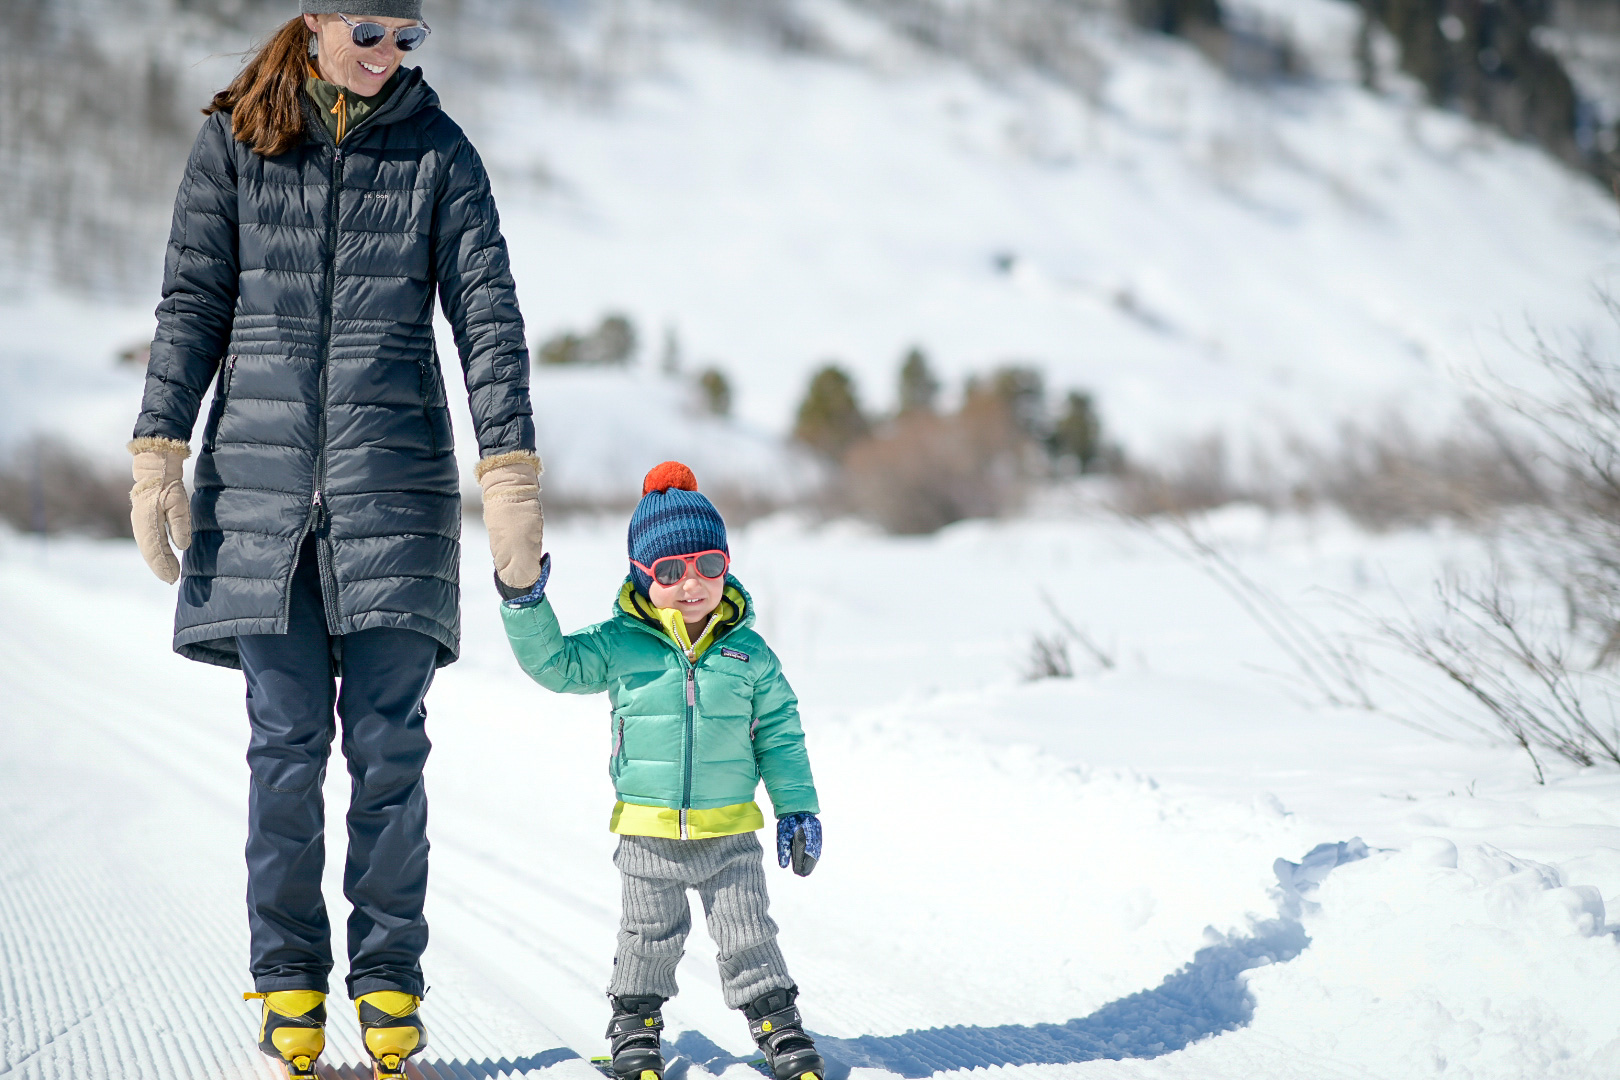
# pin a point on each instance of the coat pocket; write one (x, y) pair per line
(616, 755)
(216, 412)
(435, 407)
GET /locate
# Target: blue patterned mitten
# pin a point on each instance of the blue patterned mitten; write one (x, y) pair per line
(523, 597)
(798, 841)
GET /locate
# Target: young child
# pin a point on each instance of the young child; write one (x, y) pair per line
(701, 713)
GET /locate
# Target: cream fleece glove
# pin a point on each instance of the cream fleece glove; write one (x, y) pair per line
(159, 500)
(512, 514)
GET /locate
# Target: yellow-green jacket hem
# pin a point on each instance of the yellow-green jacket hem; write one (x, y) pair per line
(635, 819)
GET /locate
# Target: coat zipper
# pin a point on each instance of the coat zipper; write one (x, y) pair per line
(320, 514)
(428, 393)
(691, 716)
(691, 737)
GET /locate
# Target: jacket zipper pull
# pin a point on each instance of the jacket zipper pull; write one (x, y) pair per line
(691, 686)
(317, 513)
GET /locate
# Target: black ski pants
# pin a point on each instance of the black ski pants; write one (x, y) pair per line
(376, 680)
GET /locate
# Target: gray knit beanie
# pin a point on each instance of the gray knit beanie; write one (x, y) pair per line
(387, 9)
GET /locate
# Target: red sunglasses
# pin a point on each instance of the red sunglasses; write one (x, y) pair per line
(671, 570)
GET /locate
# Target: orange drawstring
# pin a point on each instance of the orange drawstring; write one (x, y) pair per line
(340, 110)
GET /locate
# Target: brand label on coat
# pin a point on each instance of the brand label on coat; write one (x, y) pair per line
(734, 654)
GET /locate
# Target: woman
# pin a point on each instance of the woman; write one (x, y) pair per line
(328, 197)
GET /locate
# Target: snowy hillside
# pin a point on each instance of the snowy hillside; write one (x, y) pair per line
(1100, 853)
(1203, 253)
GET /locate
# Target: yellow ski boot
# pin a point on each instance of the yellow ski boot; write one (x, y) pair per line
(293, 1030)
(393, 1030)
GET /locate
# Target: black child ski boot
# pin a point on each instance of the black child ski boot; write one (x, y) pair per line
(392, 1029)
(773, 1021)
(633, 1037)
(293, 1030)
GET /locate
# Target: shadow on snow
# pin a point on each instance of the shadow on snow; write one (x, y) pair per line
(487, 1069)
(1206, 997)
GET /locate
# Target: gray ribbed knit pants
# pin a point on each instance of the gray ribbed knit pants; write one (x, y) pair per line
(728, 873)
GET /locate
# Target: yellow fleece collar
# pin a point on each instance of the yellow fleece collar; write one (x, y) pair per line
(728, 614)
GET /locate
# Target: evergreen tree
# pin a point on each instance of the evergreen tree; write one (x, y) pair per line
(560, 348)
(919, 389)
(830, 420)
(1078, 432)
(612, 342)
(1174, 16)
(1021, 392)
(716, 391)
(1487, 60)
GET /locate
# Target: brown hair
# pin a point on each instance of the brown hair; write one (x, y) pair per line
(263, 100)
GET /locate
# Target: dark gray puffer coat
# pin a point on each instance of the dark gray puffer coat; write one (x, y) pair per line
(302, 286)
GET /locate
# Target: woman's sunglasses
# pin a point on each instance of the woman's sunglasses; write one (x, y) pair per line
(671, 570)
(367, 35)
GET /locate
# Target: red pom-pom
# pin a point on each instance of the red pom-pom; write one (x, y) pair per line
(671, 474)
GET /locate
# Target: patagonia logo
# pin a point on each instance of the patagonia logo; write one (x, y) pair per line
(734, 654)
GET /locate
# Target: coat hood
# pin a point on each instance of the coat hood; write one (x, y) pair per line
(409, 97)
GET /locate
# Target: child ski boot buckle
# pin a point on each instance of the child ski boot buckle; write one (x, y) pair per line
(633, 1038)
(773, 1021)
(293, 1029)
(392, 1029)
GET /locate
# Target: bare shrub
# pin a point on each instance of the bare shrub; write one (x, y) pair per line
(1383, 477)
(1529, 647)
(1577, 539)
(1389, 476)
(50, 487)
(1507, 654)
(1048, 658)
(1197, 478)
(925, 471)
(1103, 658)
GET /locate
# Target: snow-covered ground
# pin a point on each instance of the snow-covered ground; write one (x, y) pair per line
(1094, 853)
(1036, 877)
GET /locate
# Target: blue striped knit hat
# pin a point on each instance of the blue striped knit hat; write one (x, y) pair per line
(672, 519)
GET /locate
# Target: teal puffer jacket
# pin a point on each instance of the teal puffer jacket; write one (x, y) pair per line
(691, 736)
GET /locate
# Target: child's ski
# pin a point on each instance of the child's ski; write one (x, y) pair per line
(604, 1065)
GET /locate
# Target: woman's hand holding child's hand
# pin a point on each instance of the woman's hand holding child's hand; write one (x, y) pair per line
(512, 514)
(798, 841)
(519, 597)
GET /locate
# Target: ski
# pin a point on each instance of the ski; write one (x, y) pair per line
(390, 1067)
(604, 1065)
